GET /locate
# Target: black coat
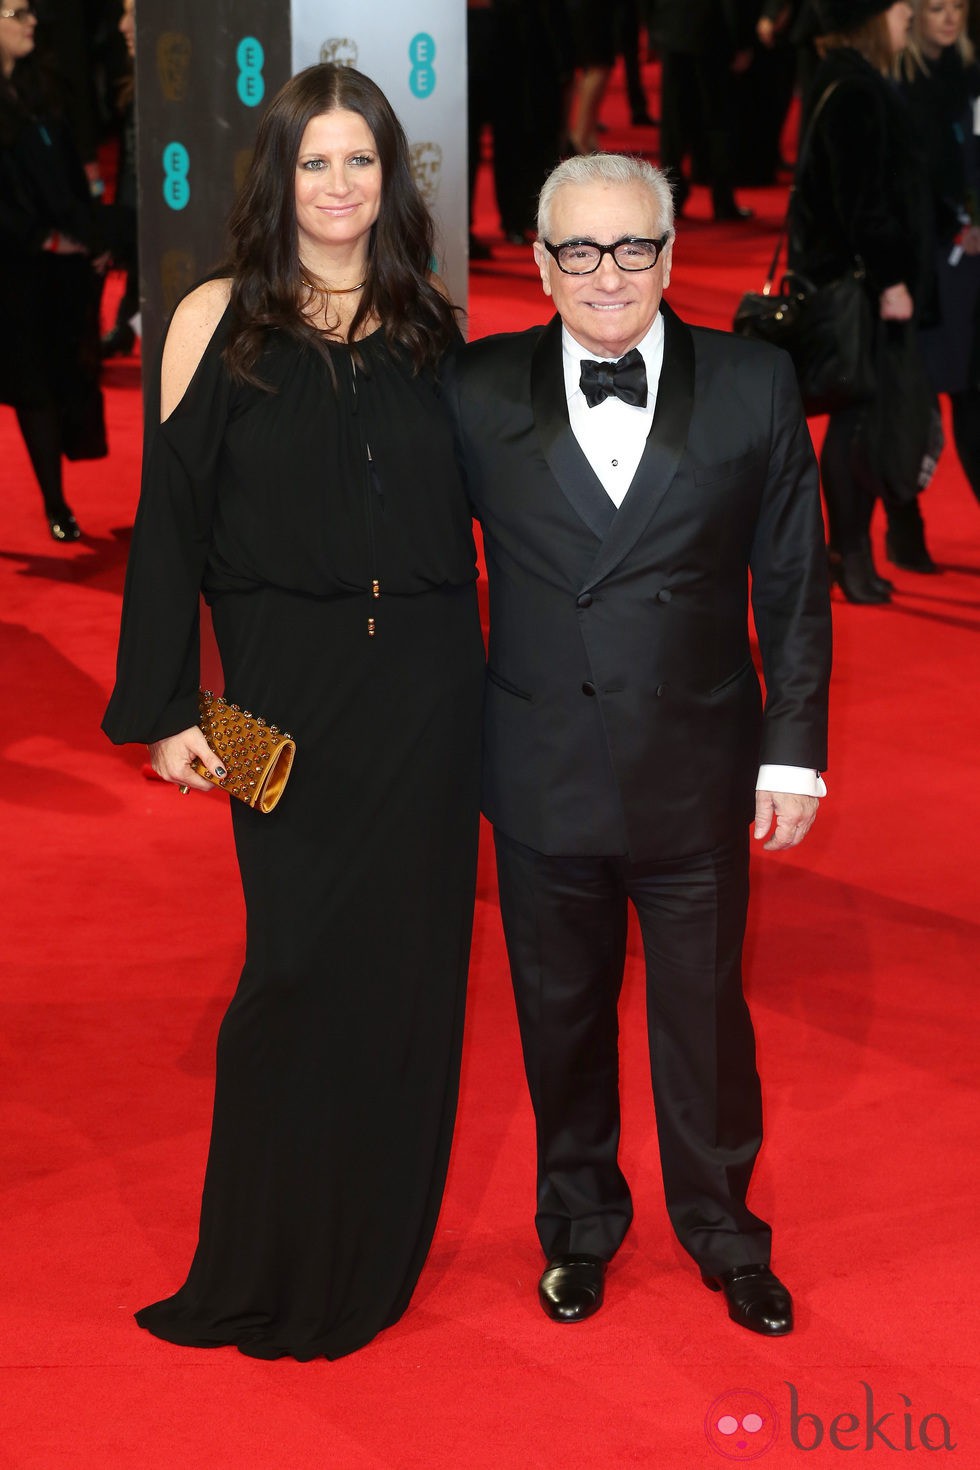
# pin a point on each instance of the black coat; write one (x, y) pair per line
(860, 186)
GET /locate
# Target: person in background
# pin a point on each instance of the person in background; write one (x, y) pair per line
(592, 25)
(703, 44)
(50, 272)
(860, 192)
(534, 44)
(120, 339)
(71, 34)
(303, 477)
(482, 99)
(942, 83)
(626, 21)
(763, 95)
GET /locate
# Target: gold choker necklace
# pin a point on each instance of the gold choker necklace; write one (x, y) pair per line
(331, 290)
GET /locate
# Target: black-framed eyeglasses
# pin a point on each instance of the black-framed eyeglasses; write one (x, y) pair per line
(582, 257)
(24, 14)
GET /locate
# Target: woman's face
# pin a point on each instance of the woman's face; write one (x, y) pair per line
(940, 24)
(17, 29)
(338, 183)
(127, 26)
(898, 18)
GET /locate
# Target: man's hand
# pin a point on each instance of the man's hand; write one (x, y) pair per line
(794, 816)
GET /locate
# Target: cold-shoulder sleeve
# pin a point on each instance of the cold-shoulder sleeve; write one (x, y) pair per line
(158, 663)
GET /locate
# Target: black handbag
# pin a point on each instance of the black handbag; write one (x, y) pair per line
(827, 330)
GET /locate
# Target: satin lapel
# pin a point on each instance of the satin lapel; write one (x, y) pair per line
(663, 451)
(576, 477)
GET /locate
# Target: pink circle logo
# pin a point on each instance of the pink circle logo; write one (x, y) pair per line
(741, 1424)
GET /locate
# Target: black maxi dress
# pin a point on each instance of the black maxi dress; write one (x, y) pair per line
(338, 1058)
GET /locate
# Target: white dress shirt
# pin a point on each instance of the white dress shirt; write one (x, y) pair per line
(612, 436)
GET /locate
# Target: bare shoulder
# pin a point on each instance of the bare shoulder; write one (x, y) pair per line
(191, 329)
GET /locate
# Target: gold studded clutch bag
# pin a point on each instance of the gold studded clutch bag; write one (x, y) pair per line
(257, 757)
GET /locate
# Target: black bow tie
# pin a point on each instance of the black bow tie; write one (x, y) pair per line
(625, 379)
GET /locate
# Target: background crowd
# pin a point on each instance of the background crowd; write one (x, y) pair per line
(892, 180)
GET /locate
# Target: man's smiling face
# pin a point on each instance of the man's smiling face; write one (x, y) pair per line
(610, 310)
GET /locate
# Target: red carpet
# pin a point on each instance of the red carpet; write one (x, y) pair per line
(121, 944)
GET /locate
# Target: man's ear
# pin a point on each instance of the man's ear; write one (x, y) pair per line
(543, 262)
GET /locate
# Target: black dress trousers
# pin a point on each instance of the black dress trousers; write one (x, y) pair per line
(565, 922)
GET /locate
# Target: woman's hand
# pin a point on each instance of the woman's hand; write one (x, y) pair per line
(895, 304)
(171, 759)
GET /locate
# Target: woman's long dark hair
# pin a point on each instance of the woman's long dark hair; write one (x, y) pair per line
(264, 262)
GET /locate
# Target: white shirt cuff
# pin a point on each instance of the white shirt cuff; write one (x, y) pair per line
(794, 780)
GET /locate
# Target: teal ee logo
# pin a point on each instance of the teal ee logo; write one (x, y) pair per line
(176, 165)
(251, 59)
(422, 53)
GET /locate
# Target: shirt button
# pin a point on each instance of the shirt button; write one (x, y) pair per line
(664, 595)
(588, 688)
(585, 600)
(615, 464)
(661, 690)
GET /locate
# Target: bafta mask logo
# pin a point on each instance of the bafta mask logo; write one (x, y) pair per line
(174, 65)
(340, 50)
(427, 167)
(177, 275)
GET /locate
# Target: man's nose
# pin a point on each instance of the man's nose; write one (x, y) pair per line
(609, 275)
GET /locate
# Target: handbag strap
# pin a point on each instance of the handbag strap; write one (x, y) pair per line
(800, 159)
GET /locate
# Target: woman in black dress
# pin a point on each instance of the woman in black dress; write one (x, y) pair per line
(303, 476)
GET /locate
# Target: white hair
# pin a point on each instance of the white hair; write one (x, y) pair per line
(607, 168)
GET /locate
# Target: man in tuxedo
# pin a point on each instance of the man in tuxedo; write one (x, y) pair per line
(630, 473)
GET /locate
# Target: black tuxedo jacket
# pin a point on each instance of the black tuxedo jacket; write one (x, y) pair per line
(623, 711)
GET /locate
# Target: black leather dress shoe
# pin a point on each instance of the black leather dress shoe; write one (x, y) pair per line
(571, 1288)
(756, 1299)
